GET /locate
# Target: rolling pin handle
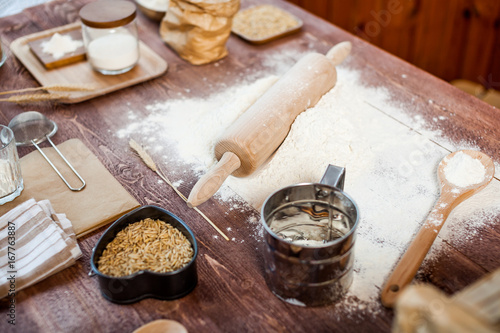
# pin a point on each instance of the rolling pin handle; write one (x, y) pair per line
(339, 52)
(210, 183)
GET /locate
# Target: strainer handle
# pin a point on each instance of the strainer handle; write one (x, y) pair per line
(55, 168)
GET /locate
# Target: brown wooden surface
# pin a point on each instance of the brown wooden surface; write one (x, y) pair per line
(231, 295)
(453, 39)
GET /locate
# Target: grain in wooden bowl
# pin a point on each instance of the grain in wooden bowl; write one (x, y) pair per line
(147, 253)
(264, 23)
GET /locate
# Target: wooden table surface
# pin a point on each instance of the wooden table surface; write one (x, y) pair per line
(231, 295)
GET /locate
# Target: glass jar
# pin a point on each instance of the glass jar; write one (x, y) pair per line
(110, 35)
(11, 180)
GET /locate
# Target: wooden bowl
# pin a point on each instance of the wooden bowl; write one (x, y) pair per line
(152, 14)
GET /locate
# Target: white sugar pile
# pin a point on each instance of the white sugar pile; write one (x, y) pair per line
(391, 169)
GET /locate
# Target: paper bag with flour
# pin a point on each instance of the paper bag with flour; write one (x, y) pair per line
(198, 29)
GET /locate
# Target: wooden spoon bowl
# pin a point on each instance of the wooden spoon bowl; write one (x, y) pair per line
(451, 195)
(162, 326)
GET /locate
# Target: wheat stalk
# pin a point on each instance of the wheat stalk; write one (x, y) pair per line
(146, 158)
(33, 98)
(143, 155)
(67, 87)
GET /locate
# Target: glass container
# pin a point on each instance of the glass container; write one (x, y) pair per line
(110, 36)
(11, 180)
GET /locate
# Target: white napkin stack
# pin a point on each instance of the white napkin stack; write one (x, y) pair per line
(35, 243)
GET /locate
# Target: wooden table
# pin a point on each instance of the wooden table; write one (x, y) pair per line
(231, 295)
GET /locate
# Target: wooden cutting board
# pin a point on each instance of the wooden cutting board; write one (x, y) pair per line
(51, 62)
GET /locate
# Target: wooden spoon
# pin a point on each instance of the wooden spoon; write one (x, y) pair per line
(451, 196)
(162, 326)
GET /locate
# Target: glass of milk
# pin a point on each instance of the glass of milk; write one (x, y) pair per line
(11, 180)
(110, 35)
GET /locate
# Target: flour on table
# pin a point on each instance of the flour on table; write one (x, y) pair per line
(391, 170)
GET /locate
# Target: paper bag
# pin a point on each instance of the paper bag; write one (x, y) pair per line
(198, 29)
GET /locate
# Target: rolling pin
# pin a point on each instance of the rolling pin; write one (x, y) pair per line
(261, 129)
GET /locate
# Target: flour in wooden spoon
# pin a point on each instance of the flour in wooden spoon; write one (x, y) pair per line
(462, 170)
(391, 170)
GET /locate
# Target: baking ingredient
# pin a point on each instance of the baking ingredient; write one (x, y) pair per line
(158, 5)
(113, 52)
(390, 168)
(8, 181)
(59, 45)
(463, 170)
(11, 180)
(198, 30)
(263, 21)
(149, 244)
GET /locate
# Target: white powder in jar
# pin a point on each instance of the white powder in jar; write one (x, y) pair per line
(58, 45)
(463, 170)
(113, 52)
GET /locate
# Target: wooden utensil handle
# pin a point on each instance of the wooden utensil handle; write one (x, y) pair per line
(213, 179)
(407, 267)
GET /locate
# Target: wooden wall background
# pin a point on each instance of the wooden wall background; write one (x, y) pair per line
(452, 39)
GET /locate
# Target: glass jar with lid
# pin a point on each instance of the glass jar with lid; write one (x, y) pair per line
(110, 35)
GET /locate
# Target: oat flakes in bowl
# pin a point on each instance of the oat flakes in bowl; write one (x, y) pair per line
(148, 252)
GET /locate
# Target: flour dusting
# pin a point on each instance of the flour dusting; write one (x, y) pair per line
(391, 169)
(463, 170)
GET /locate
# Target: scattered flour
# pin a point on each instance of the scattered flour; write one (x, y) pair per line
(58, 45)
(391, 169)
(463, 170)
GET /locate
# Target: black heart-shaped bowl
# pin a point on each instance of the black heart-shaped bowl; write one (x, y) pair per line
(146, 284)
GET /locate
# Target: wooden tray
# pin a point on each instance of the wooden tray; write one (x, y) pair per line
(273, 36)
(150, 65)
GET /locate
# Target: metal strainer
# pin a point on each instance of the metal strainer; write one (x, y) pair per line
(32, 128)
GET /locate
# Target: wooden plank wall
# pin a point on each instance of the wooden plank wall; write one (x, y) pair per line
(452, 39)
